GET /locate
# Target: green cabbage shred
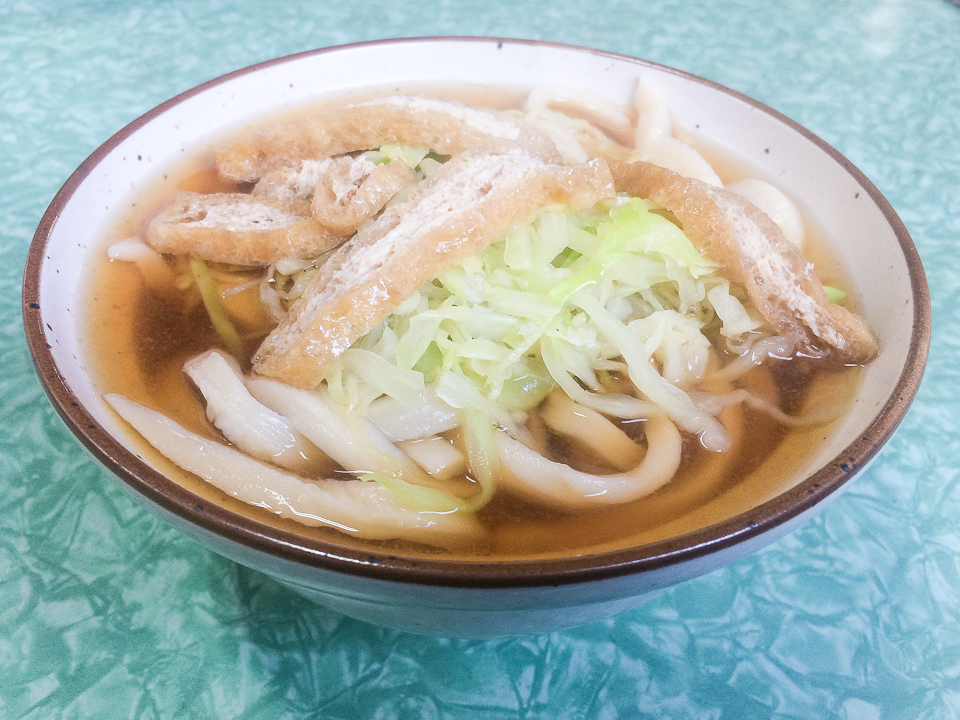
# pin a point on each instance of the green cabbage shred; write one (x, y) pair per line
(476, 329)
(214, 306)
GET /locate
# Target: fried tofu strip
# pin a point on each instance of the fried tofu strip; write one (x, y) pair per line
(342, 191)
(445, 126)
(470, 202)
(352, 190)
(238, 229)
(755, 254)
(295, 181)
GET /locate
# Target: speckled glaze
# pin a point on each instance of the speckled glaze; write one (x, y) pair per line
(481, 599)
(107, 612)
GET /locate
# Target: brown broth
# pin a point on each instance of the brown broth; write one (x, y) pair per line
(138, 343)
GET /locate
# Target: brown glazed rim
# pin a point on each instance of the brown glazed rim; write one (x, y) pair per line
(169, 496)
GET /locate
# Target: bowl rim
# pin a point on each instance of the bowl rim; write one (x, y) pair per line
(384, 565)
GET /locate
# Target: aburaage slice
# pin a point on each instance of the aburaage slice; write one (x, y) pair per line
(351, 191)
(474, 199)
(444, 126)
(755, 255)
(239, 229)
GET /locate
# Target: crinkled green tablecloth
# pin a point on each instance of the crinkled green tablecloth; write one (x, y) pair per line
(105, 612)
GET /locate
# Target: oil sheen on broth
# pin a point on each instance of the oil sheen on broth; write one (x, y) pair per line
(139, 341)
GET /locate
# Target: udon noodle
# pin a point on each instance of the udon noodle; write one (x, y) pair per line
(419, 320)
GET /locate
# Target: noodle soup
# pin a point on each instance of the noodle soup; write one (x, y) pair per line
(529, 385)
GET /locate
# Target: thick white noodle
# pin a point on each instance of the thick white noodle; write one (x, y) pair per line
(655, 142)
(155, 272)
(437, 456)
(591, 429)
(354, 442)
(777, 206)
(598, 109)
(401, 421)
(254, 428)
(653, 116)
(364, 509)
(530, 475)
(561, 131)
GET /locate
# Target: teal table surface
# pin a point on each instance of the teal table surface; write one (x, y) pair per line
(106, 612)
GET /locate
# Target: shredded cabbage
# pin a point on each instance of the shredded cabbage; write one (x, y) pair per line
(215, 309)
(558, 301)
(834, 295)
(420, 160)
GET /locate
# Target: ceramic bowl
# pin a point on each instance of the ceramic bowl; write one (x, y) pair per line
(480, 598)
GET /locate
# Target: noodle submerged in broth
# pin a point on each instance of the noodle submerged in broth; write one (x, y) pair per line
(443, 327)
